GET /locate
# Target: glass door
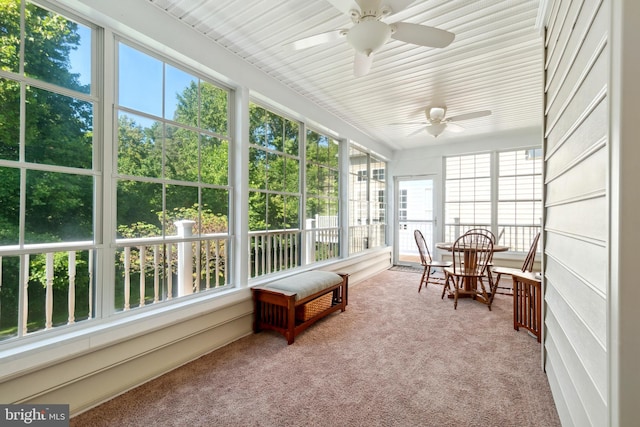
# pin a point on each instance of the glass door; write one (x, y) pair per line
(414, 210)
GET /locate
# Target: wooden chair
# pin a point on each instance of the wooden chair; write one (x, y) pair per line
(527, 265)
(427, 262)
(485, 232)
(471, 254)
(489, 234)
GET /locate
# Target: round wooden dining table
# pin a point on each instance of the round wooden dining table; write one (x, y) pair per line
(448, 246)
(469, 283)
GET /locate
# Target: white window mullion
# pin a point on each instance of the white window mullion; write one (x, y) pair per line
(107, 192)
(302, 205)
(495, 174)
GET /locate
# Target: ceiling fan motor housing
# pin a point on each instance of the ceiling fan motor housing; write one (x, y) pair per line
(436, 114)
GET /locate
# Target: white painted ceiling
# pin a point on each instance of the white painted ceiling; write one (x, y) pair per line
(494, 63)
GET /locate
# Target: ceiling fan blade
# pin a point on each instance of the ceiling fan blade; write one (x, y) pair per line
(454, 127)
(421, 35)
(345, 6)
(422, 129)
(409, 124)
(397, 5)
(362, 64)
(317, 39)
(468, 116)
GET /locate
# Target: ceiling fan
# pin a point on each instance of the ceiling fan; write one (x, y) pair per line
(369, 33)
(437, 121)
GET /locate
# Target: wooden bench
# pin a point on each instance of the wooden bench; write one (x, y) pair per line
(291, 305)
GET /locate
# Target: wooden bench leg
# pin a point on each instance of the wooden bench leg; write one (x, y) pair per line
(291, 321)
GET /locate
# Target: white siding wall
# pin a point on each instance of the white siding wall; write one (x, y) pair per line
(624, 315)
(577, 209)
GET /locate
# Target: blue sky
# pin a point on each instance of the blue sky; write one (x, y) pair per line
(140, 77)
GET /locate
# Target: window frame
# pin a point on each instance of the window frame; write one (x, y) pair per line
(366, 200)
(55, 251)
(190, 236)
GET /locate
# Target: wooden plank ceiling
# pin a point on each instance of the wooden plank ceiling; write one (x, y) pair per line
(494, 63)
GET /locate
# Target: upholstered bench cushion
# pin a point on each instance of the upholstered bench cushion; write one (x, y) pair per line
(306, 283)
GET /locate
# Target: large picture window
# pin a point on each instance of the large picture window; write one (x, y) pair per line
(519, 197)
(48, 170)
(322, 177)
(467, 194)
(367, 200)
(171, 180)
(513, 214)
(274, 192)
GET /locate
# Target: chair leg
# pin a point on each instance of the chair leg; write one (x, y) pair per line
(492, 288)
(446, 285)
(455, 296)
(426, 282)
(422, 280)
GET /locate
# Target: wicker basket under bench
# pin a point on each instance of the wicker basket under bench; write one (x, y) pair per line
(291, 305)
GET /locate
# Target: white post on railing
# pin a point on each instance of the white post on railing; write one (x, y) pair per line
(90, 284)
(71, 295)
(49, 291)
(143, 267)
(185, 258)
(456, 222)
(310, 240)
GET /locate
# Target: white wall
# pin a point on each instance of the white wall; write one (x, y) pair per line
(428, 160)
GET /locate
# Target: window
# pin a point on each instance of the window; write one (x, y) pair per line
(322, 196)
(519, 197)
(382, 206)
(274, 192)
(513, 214)
(171, 179)
(378, 201)
(48, 170)
(367, 200)
(467, 193)
(402, 202)
(169, 164)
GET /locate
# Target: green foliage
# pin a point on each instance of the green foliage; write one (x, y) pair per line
(205, 102)
(57, 130)
(139, 148)
(138, 229)
(38, 272)
(9, 35)
(207, 222)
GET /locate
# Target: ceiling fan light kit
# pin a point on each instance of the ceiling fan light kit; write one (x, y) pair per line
(436, 129)
(369, 36)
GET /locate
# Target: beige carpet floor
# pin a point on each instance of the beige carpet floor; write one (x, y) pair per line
(395, 357)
